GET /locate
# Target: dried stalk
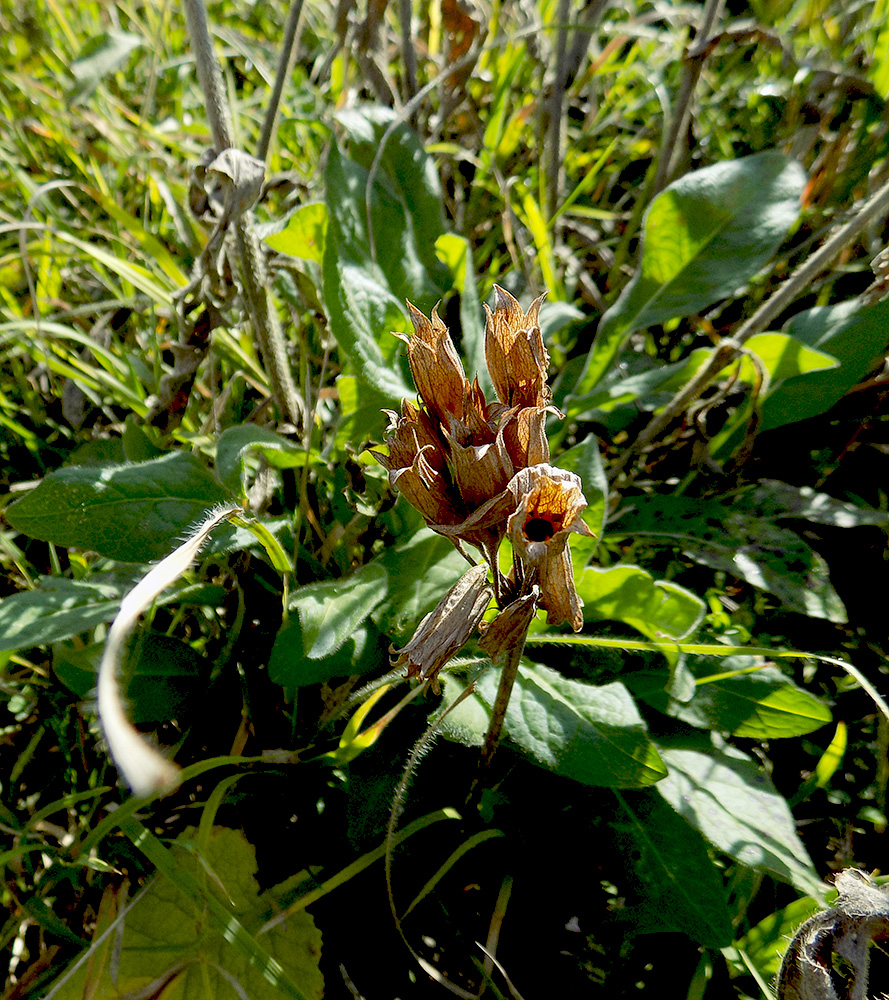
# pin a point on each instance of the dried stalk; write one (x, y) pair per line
(248, 259)
(694, 63)
(282, 75)
(730, 348)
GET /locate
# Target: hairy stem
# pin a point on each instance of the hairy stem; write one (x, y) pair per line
(282, 74)
(248, 259)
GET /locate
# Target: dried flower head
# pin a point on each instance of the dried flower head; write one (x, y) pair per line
(477, 470)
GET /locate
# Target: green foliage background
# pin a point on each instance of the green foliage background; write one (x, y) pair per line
(677, 781)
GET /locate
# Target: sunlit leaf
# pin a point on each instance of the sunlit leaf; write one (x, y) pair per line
(134, 513)
(704, 237)
(593, 734)
(734, 804)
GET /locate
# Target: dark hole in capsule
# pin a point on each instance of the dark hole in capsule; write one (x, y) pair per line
(538, 529)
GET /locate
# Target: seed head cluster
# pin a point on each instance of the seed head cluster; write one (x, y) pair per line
(478, 471)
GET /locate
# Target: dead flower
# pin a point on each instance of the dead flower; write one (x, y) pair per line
(476, 470)
(446, 629)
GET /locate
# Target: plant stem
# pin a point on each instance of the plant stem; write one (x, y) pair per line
(694, 63)
(248, 258)
(730, 348)
(498, 713)
(282, 75)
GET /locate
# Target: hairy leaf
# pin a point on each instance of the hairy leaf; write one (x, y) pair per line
(728, 697)
(593, 734)
(679, 886)
(730, 799)
(330, 610)
(735, 538)
(658, 609)
(56, 609)
(168, 936)
(134, 513)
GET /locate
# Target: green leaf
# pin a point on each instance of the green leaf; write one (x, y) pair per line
(198, 924)
(369, 271)
(585, 461)
(773, 499)
(593, 734)
(331, 610)
(704, 236)
(360, 308)
(766, 943)
(420, 571)
(656, 608)
(784, 356)
(733, 537)
(456, 252)
(406, 202)
(734, 804)
(57, 609)
(677, 881)
(304, 235)
(134, 513)
(236, 443)
(363, 650)
(759, 703)
(100, 57)
(161, 677)
(855, 335)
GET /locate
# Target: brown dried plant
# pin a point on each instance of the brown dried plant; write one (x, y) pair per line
(479, 472)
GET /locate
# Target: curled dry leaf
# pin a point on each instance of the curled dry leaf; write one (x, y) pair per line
(144, 768)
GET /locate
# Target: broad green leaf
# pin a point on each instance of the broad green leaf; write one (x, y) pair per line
(134, 513)
(331, 610)
(100, 57)
(784, 356)
(371, 265)
(420, 571)
(236, 443)
(855, 335)
(198, 923)
(161, 677)
(773, 499)
(733, 803)
(766, 943)
(656, 608)
(406, 204)
(593, 734)
(304, 235)
(680, 887)
(585, 461)
(704, 236)
(56, 609)
(456, 252)
(363, 650)
(360, 309)
(733, 537)
(737, 695)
